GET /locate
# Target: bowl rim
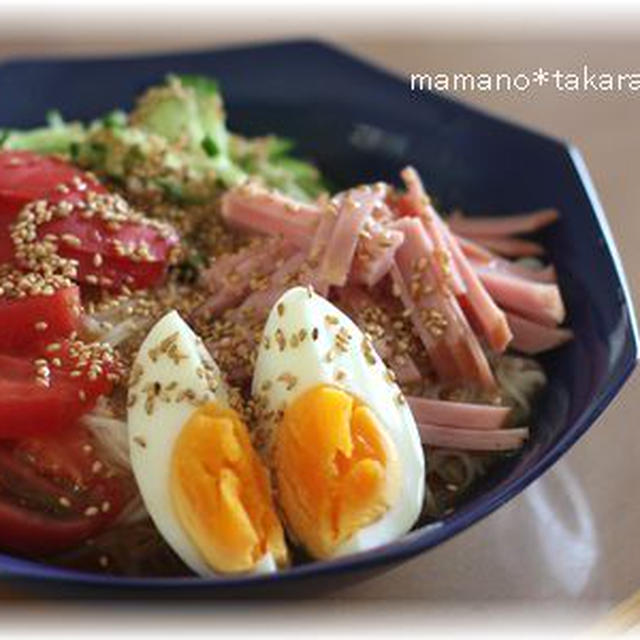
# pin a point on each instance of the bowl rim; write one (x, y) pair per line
(431, 534)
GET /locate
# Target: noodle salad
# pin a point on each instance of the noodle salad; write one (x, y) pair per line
(211, 364)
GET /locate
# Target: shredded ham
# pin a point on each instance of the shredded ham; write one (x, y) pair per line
(485, 312)
(231, 276)
(444, 266)
(361, 306)
(458, 415)
(532, 338)
(502, 225)
(288, 274)
(511, 247)
(437, 317)
(352, 210)
(358, 243)
(451, 280)
(252, 207)
(472, 439)
(483, 257)
(375, 253)
(537, 301)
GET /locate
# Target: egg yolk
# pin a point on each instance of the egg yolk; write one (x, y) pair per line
(220, 491)
(336, 468)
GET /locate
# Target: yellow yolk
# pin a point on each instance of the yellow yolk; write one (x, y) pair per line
(336, 469)
(220, 491)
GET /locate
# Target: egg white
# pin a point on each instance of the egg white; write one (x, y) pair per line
(317, 361)
(153, 430)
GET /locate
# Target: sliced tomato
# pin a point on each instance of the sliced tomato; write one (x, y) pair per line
(31, 322)
(55, 492)
(38, 398)
(135, 252)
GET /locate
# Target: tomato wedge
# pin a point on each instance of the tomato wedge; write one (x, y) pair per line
(55, 492)
(48, 394)
(45, 197)
(35, 311)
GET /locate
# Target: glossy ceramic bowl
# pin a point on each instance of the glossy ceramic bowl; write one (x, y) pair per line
(361, 124)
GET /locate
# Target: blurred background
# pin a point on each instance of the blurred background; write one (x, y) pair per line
(567, 543)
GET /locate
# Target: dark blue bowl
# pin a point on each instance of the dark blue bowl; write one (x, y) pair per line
(360, 124)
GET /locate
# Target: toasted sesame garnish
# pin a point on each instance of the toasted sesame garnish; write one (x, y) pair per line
(367, 350)
(91, 511)
(63, 501)
(17, 284)
(41, 326)
(280, 339)
(289, 380)
(140, 441)
(434, 321)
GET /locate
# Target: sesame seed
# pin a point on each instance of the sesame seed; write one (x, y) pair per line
(289, 380)
(71, 239)
(64, 502)
(91, 511)
(41, 326)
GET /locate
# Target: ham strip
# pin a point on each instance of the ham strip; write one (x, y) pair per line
(486, 314)
(354, 207)
(472, 439)
(481, 256)
(259, 303)
(536, 301)
(374, 319)
(452, 346)
(254, 208)
(458, 415)
(445, 268)
(511, 247)
(360, 244)
(501, 225)
(374, 255)
(533, 338)
(232, 276)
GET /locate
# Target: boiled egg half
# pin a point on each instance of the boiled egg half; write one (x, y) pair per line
(202, 482)
(335, 429)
